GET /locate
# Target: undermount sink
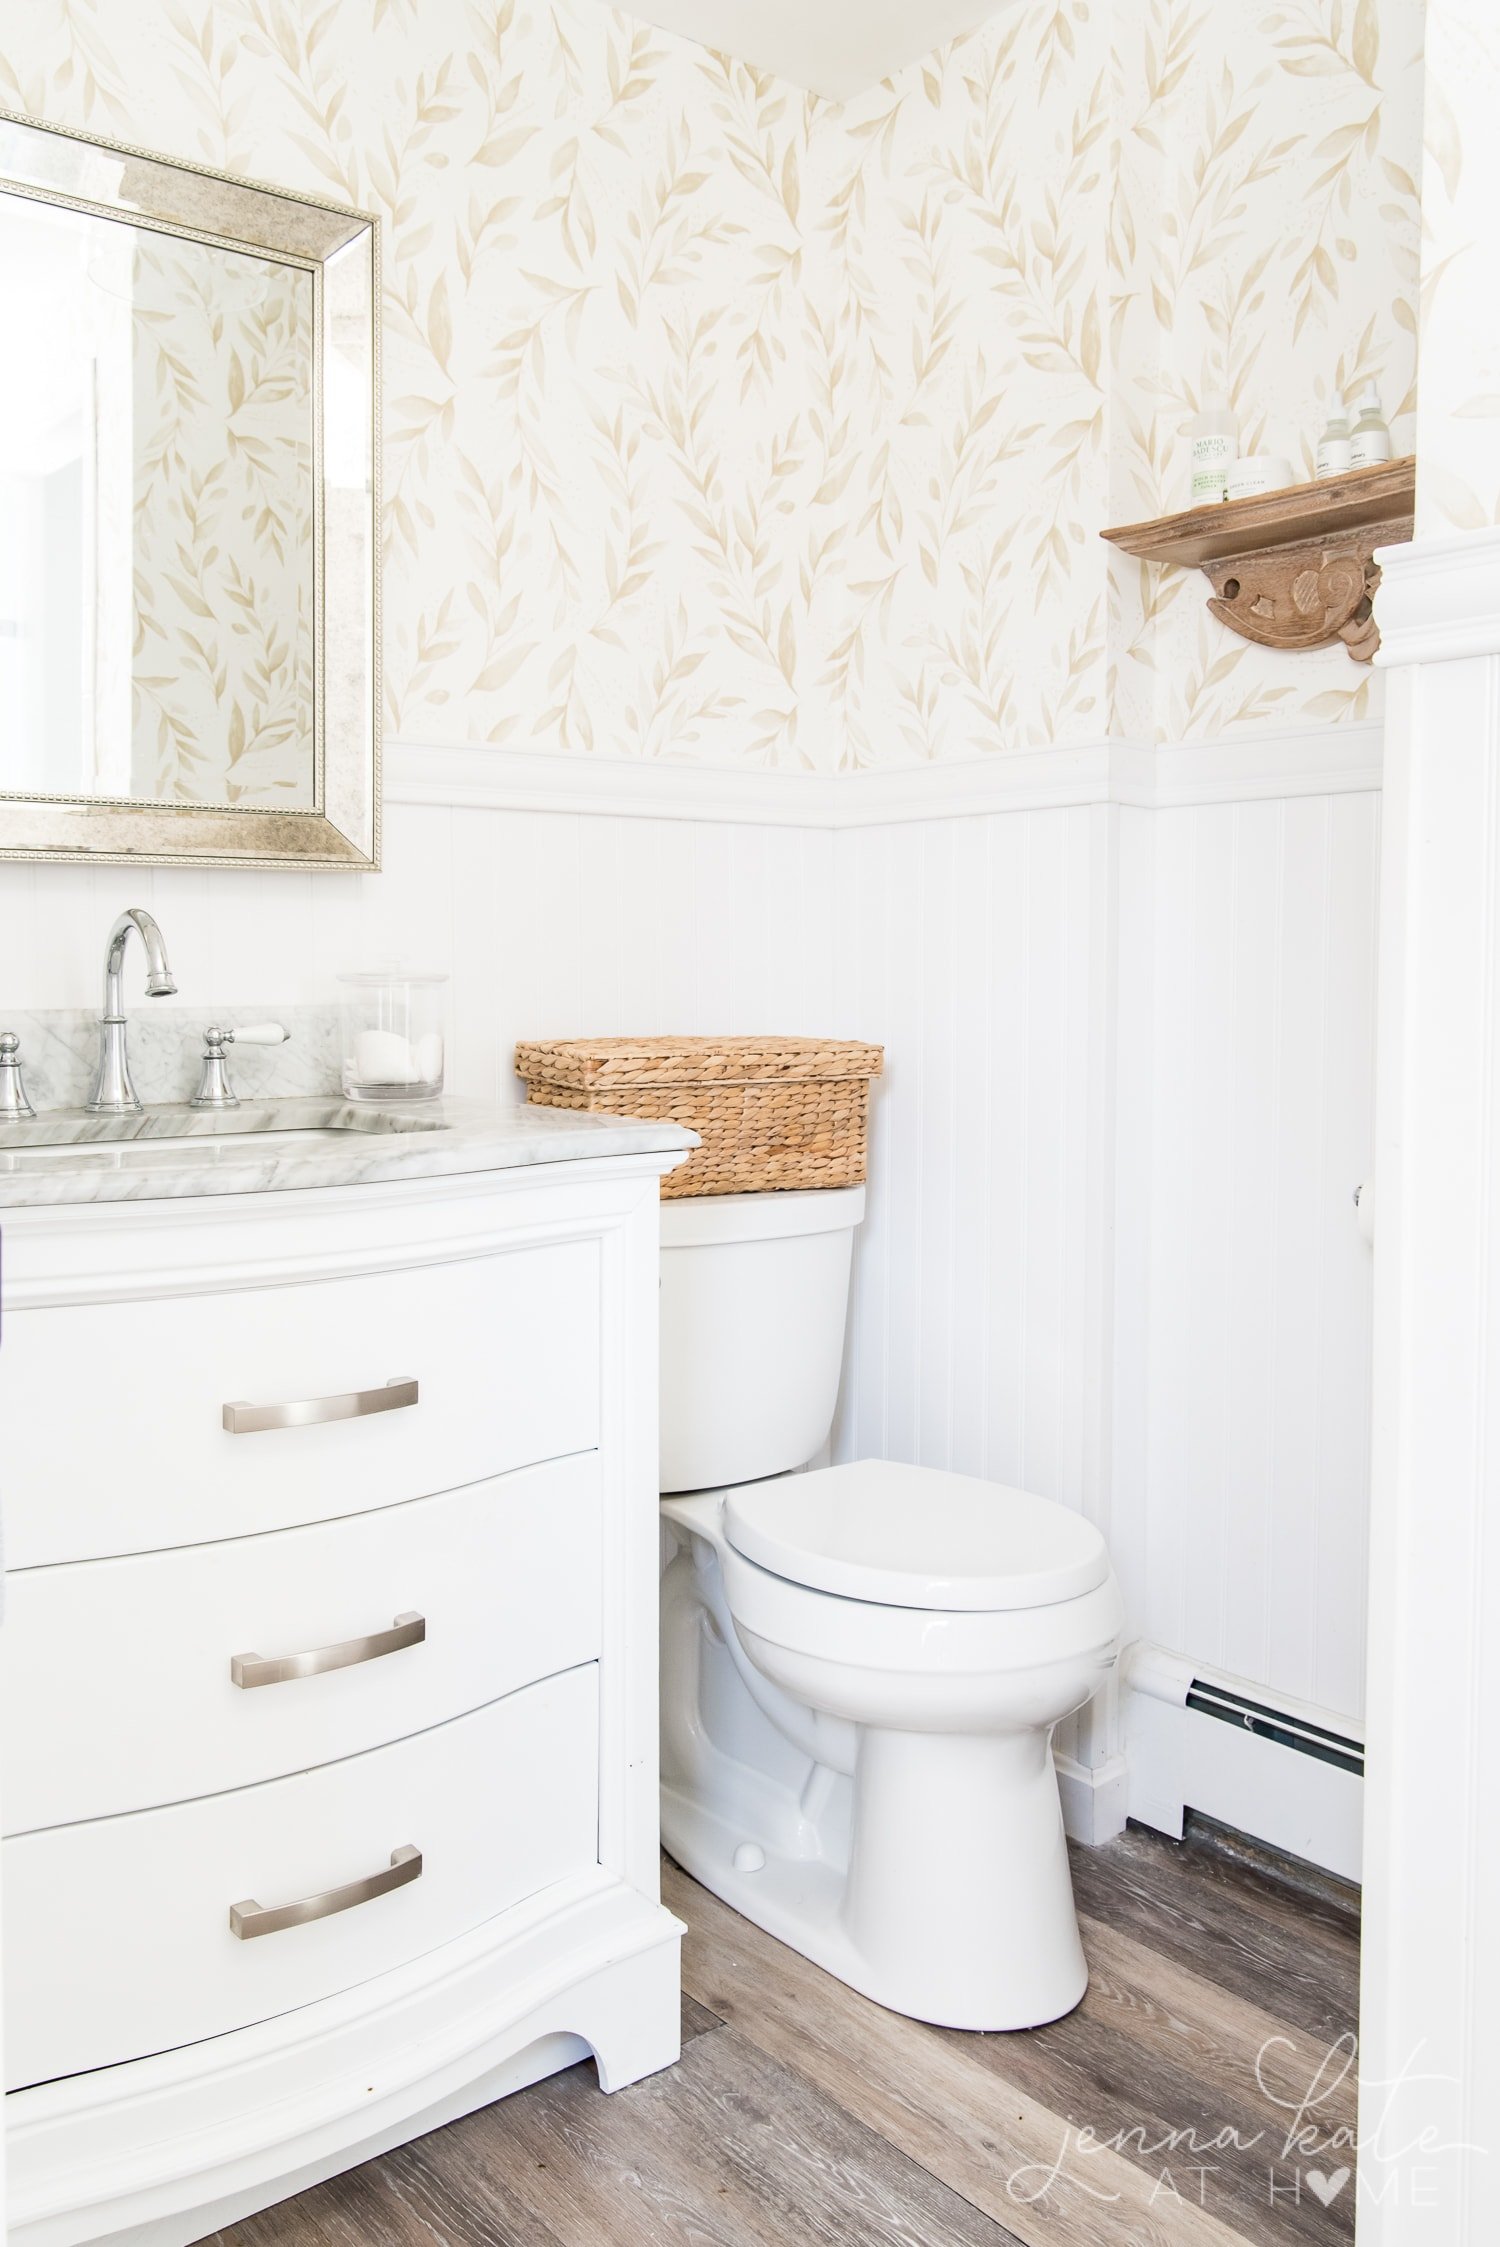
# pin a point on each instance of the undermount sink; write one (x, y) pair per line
(162, 1136)
(136, 1153)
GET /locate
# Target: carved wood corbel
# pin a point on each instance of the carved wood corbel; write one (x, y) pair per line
(1293, 569)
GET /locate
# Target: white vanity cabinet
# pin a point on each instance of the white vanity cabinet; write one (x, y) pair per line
(328, 1768)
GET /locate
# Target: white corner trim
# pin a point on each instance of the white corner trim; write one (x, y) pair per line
(1439, 599)
(1094, 1802)
(1249, 768)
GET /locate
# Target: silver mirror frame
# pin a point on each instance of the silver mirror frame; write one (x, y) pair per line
(341, 247)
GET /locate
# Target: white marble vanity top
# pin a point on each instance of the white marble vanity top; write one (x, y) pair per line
(263, 1146)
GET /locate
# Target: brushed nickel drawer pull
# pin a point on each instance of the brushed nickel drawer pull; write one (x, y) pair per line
(248, 1918)
(248, 1670)
(243, 1419)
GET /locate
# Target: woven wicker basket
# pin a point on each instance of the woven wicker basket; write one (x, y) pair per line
(775, 1114)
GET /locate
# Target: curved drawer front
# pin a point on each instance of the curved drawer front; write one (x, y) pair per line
(115, 1414)
(123, 1943)
(134, 1660)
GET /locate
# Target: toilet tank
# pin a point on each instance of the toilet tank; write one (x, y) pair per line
(754, 1297)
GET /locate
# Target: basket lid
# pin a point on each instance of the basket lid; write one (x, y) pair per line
(667, 1061)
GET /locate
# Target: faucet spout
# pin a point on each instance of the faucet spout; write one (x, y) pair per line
(114, 1094)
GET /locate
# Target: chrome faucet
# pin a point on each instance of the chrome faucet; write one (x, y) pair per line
(114, 1094)
(13, 1100)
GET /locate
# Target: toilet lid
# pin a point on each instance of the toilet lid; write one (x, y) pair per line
(916, 1537)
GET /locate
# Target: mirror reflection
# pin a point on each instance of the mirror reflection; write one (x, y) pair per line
(158, 568)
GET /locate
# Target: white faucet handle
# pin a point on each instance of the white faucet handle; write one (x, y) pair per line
(261, 1033)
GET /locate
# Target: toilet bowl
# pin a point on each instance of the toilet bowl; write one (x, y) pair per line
(862, 1665)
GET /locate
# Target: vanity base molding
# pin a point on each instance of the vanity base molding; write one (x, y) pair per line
(166, 2151)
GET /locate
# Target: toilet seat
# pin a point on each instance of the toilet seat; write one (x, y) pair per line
(916, 1538)
(911, 1643)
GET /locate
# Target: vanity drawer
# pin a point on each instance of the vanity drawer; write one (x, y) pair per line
(114, 1414)
(131, 1659)
(122, 1939)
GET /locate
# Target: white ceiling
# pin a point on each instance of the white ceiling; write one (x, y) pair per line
(833, 47)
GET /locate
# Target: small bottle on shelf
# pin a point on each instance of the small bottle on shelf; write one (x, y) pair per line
(1370, 439)
(1215, 440)
(1335, 447)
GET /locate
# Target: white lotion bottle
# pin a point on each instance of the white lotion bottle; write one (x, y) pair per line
(1370, 439)
(1335, 447)
(1215, 439)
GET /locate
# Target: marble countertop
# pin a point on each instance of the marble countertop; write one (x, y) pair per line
(171, 1151)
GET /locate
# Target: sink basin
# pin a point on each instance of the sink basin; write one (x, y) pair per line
(169, 1137)
(137, 1154)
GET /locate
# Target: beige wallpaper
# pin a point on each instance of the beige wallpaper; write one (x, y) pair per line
(963, 314)
(222, 536)
(1458, 486)
(1264, 240)
(725, 423)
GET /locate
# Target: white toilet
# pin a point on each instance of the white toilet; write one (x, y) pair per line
(861, 1665)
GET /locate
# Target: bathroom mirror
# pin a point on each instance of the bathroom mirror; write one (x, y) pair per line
(188, 607)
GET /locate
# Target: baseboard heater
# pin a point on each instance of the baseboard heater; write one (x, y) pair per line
(1274, 1724)
(1216, 1745)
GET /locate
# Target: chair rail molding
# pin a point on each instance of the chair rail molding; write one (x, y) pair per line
(1326, 760)
(1439, 599)
(1430, 2011)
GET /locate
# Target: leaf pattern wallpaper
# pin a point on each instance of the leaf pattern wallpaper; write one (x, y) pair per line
(222, 537)
(1458, 488)
(725, 423)
(1264, 241)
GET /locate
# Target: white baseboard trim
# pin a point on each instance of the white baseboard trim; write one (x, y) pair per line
(1094, 1803)
(1255, 767)
(1181, 1760)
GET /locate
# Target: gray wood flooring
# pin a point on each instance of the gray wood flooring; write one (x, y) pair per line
(1157, 2115)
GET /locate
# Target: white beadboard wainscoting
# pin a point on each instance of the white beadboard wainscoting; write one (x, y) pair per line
(550, 924)
(1242, 1451)
(1112, 1252)
(1241, 1440)
(965, 947)
(975, 949)
(1126, 996)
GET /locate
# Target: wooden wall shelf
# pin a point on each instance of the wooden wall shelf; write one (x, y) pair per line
(1294, 568)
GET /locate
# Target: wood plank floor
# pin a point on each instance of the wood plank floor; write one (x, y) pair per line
(1157, 2115)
